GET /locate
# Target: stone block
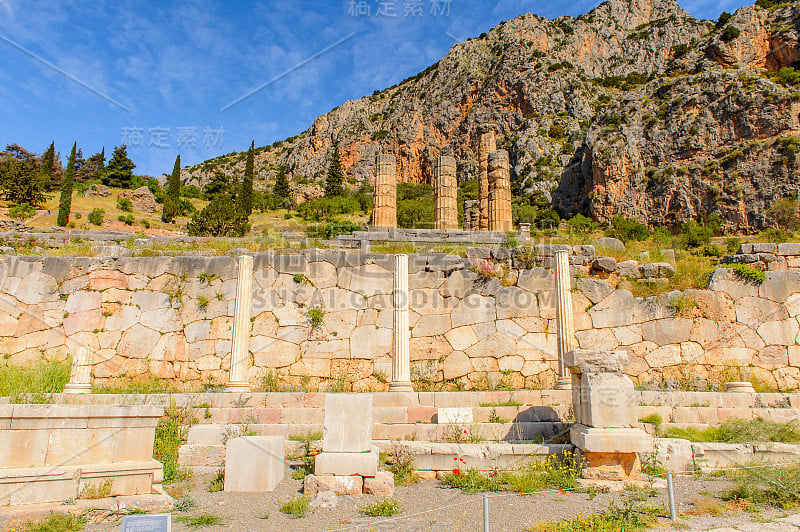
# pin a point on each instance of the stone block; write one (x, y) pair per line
(594, 289)
(454, 415)
(604, 264)
(381, 485)
(607, 400)
(610, 440)
(351, 485)
(345, 464)
(347, 423)
(595, 361)
(609, 243)
(674, 454)
(254, 463)
(789, 248)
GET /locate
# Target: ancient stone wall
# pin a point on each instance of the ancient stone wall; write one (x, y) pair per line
(492, 314)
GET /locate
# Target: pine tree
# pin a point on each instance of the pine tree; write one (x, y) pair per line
(48, 164)
(172, 197)
(335, 178)
(21, 176)
(281, 188)
(119, 171)
(244, 200)
(65, 203)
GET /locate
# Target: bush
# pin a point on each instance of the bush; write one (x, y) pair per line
(384, 508)
(96, 217)
(581, 224)
(125, 204)
(297, 507)
(680, 50)
(627, 230)
(334, 229)
(127, 220)
(555, 471)
(729, 33)
(711, 250)
(783, 213)
(732, 244)
(723, 19)
(694, 234)
(749, 273)
(22, 212)
(615, 519)
(218, 218)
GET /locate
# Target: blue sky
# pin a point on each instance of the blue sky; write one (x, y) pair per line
(157, 74)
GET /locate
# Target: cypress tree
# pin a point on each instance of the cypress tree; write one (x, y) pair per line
(100, 169)
(48, 163)
(65, 203)
(281, 188)
(172, 198)
(335, 177)
(244, 200)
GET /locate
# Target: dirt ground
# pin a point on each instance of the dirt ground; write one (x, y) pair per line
(431, 506)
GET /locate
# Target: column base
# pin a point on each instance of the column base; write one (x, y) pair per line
(401, 386)
(237, 387)
(563, 383)
(77, 388)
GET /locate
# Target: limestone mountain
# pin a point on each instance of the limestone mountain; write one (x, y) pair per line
(634, 109)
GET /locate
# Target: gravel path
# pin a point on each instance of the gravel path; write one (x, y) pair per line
(429, 506)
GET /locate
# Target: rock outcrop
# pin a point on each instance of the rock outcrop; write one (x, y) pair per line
(634, 109)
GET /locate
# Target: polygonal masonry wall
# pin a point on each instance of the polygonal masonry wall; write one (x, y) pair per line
(172, 318)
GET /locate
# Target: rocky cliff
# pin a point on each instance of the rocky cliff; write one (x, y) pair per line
(635, 108)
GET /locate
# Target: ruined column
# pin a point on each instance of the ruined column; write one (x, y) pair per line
(499, 192)
(565, 329)
(445, 190)
(486, 145)
(80, 378)
(472, 215)
(384, 208)
(401, 360)
(241, 327)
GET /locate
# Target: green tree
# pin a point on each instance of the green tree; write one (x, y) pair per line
(173, 195)
(48, 166)
(281, 188)
(65, 203)
(244, 200)
(97, 163)
(218, 218)
(119, 171)
(335, 177)
(20, 176)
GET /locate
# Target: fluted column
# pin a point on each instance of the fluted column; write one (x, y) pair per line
(241, 327)
(486, 145)
(384, 207)
(80, 378)
(499, 192)
(401, 360)
(565, 328)
(445, 191)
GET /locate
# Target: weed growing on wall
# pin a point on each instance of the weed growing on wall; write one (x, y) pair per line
(170, 435)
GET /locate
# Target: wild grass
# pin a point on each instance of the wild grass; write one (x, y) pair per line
(400, 462)
(615, 519)
(555, 471)
(740, 431)
(135, 385)
(55, 522)
(774, 486)
(217, 482)
(384, 508)
(297, 507)
(307, 456)
(170, 435)
(97, 491)
(32, 383)
(200, 521)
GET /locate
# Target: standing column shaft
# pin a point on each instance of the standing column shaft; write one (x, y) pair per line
(401, 360)
(384, 209)
(499, 192)
(241, 327)
(445, 190)
(565, 328)
(486, 145)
